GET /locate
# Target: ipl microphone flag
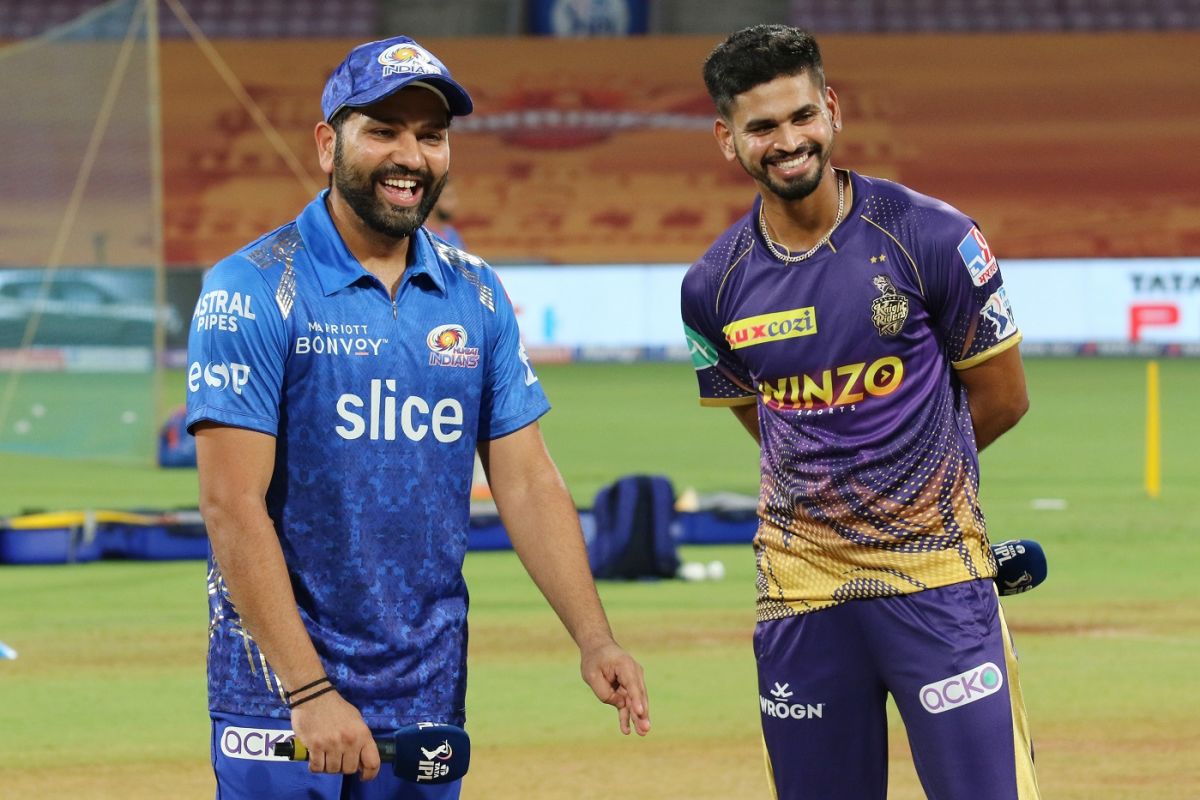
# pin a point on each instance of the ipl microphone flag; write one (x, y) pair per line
(428, 752)
(1020, 565)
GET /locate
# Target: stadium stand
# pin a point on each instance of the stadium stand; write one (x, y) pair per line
(277, 19)
(234, 19)
(994, 16)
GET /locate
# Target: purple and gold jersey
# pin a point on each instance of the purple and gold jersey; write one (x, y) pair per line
(376, 406)
(869, 469)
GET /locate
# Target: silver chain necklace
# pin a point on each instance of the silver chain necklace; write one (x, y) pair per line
(785, 255)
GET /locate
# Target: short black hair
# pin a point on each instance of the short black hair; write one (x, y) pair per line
(339, 118)
(756, 55)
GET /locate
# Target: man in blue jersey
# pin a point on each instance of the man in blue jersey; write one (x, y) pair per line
(861, 333)
(343, 370)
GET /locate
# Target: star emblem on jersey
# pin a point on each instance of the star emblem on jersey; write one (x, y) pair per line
(879, 258)
(890, 311)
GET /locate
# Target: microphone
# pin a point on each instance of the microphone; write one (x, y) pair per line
(1020, 565)
(424, 753)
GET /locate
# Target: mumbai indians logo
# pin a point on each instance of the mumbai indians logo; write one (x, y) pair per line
(448, 344)
(407, 59)
(961, 689)
(890, 311)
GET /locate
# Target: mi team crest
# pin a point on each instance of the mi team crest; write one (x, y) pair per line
(408, 58)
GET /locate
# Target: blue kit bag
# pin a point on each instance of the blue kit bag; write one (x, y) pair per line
(633, 529)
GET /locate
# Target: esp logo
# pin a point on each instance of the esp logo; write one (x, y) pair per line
(219, 376)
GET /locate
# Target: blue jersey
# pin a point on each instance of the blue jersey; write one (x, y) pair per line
(870, 478)
(376, 405)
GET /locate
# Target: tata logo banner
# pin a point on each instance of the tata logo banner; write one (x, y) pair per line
(1106, 301)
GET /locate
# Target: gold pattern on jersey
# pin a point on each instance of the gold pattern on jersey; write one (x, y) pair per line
(865, 544)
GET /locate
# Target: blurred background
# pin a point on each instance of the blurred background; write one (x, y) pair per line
(145, 141)
(142, 141)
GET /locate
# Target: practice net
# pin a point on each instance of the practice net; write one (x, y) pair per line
(81, 321)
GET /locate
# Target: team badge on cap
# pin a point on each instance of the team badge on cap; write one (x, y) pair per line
(359, 80)
(407, 58)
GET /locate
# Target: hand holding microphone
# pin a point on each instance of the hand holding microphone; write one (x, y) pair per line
(425, 753)
(1020, 565)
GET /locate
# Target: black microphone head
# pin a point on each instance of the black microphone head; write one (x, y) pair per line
(1020, 565)
(430, 752)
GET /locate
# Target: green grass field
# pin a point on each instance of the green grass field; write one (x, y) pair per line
(107, 697)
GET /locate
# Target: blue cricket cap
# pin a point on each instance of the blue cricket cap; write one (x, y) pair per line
(376, 70)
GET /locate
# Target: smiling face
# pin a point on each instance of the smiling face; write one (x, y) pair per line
(389, 160)
(782, 133)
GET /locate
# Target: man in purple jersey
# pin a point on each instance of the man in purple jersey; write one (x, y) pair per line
(861, 333)
(344, 370)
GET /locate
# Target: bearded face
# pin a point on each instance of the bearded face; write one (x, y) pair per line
(782, 133)
(793, 175)
(360, 187)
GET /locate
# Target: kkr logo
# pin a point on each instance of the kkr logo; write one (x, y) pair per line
(890, 310)
(771, 327)
(218, 376)
(849, 383)
(961, 689)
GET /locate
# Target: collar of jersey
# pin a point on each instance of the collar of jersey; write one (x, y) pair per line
(336, 266)
(842, 232)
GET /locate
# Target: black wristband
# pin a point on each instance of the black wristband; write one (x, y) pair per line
(313, 696)
(306, 687)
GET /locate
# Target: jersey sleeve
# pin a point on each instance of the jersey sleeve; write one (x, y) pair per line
(722, 379)
(513, 395)
(966, 297)
(237, 346)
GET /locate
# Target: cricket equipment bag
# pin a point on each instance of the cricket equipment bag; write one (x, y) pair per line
(176, 447)
(633, 529)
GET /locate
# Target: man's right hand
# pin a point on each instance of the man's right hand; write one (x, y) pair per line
(337, 738)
